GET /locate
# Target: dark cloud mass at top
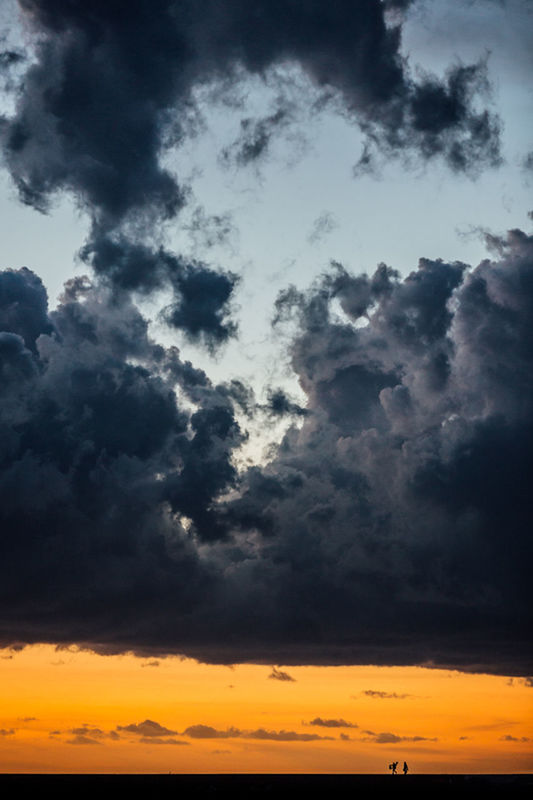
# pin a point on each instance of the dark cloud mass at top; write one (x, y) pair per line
(112, 87)
(391, 524)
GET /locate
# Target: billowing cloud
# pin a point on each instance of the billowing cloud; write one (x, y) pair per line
(379, 531)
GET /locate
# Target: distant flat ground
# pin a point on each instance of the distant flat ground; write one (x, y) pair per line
(276, 787)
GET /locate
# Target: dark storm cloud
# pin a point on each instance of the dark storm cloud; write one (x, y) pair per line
(200, 306)
(391, 526)
(104, 480)
(107, 94)
(391, 508)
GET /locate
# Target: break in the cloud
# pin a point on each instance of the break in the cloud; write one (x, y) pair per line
(392, 738)
(207, 732)
(280, 675)
(332, 723)
(377, 695)
(379, 531)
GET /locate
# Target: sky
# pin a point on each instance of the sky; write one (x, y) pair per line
(265, 353)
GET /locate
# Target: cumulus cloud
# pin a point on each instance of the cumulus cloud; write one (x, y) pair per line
(379, 532)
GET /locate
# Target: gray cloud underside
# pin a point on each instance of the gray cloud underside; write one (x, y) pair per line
(391, 527)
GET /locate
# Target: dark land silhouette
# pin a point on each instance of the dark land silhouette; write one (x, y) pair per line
(276, 787)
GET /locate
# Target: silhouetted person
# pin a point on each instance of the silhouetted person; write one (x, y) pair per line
(405, 768)
(394, 765)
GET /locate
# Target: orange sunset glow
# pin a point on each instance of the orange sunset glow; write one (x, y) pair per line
(70, 710)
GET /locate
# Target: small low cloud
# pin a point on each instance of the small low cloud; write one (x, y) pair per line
(87, 730)
(528, 681)
(284, 736)
(7, 731)
(385, 737)
(376, 695)
(509, 738)
(279, 675)
(27, 719)
(220, 752)
(80, 739)
(151, 664)
(332, 723)
(156, 740)
(148, 729)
